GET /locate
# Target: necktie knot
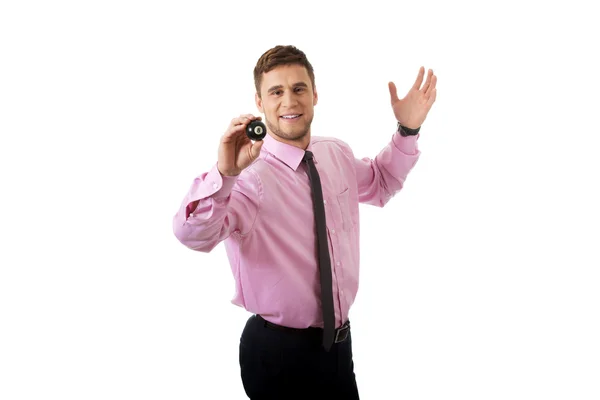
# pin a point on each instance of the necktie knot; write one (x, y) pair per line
(308, 155)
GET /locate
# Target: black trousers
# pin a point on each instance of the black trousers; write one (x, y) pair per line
(279, 364)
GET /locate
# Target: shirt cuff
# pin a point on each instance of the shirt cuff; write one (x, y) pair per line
(406, 144)
(218, 186)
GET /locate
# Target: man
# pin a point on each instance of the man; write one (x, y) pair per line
(286, 209)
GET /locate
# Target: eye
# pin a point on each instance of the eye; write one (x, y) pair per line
(299, 89)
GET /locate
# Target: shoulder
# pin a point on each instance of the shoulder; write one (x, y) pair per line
(331, 143)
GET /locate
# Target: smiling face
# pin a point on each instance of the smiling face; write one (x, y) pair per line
(287, 100)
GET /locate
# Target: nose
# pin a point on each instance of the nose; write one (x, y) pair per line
(289, 99)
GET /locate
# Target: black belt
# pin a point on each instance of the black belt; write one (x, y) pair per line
(340, 335)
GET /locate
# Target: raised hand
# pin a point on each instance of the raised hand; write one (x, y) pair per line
(412, 110)
(236, 150)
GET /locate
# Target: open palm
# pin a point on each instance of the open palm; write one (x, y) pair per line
(412, 110)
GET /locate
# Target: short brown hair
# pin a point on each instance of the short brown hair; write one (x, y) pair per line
(281, 55)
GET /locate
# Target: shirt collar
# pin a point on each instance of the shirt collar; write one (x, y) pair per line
(290, 155)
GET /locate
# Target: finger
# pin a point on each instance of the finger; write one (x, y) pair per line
(255, 150)
(431, 86)
(235, 130)
(431, 98)
(428, 81)
(244, 119)
(251, 117)
(419, 79)
(393, 91)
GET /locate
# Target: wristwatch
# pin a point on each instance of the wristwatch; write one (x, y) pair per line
(404, 131)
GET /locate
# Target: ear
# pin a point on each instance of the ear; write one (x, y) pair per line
(258, 101)
(315, 96)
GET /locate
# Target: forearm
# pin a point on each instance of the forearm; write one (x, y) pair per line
(210, 212)
(205, 225)
(379, 179)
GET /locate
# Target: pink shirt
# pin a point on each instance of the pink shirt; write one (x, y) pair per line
(264, 217)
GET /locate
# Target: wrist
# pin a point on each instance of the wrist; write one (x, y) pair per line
(227, 173)
(405, 131)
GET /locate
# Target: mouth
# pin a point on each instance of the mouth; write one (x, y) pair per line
(290, 117)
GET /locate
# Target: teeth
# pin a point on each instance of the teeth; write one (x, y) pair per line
(290, 116)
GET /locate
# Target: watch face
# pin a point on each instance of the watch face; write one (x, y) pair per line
(399, 128)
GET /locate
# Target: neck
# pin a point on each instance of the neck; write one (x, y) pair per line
(302, 143)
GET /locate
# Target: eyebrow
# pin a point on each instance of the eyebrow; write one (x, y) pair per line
(277, 87)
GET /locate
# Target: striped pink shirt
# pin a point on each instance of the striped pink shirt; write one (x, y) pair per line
(264, 217)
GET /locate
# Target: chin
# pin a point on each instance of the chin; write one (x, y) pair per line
(295, 134)
(288, 132)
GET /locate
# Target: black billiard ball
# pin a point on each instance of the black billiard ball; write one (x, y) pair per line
(256, 130)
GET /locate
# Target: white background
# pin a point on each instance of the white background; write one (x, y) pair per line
(478, 281)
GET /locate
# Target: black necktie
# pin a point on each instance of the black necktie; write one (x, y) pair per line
(323, 251)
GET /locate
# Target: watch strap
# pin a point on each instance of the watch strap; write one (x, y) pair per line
(404, 131)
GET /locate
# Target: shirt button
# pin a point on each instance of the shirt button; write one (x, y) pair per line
(215, 185)
(337, 263)
(333, 231)
(324, 201)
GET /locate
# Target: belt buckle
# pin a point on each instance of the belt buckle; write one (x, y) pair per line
(342, 333)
